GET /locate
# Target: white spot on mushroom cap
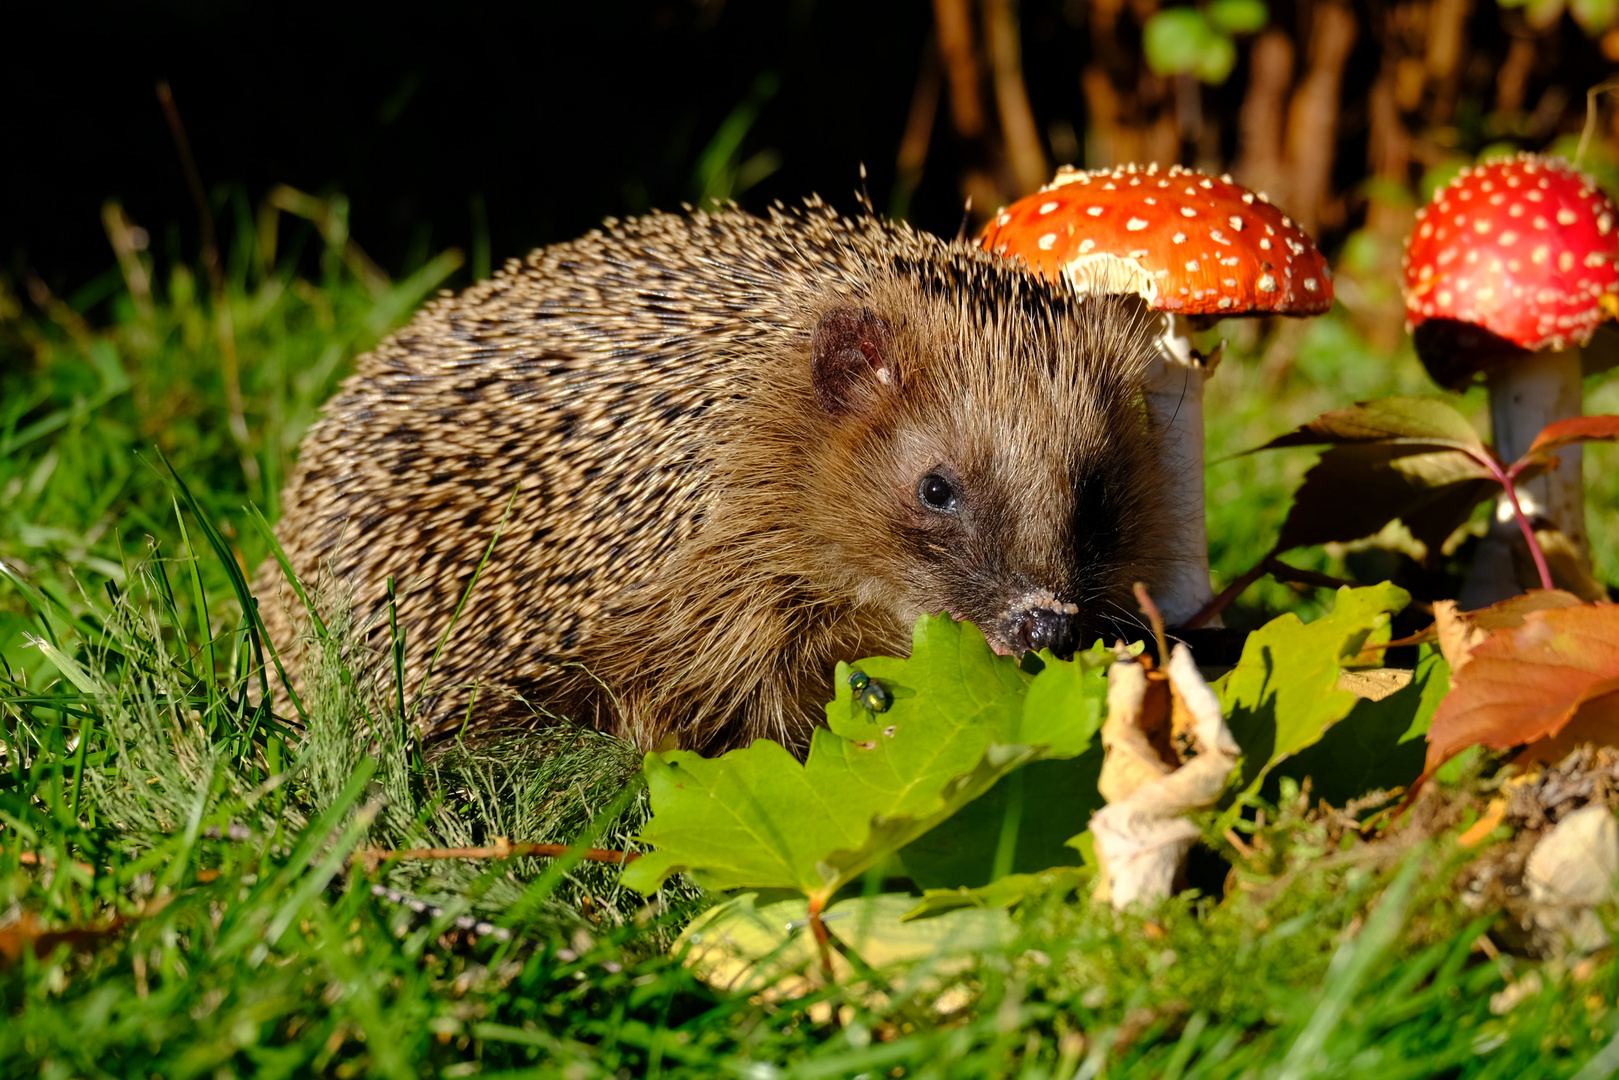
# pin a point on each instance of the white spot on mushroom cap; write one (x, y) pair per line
(1094, 211)
(1046, 208)
(1048, 241)
(1086, 245)
(1136, 224)
(1266, 283)
(1187, 211)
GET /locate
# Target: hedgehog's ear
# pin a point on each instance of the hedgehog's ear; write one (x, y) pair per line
(852, 362)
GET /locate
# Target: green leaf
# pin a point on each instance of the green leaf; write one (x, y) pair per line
(1001, 893)
(746, 948)
(1421, 422)
(1380, 744)
(1175, 40)
(1283, 696)
(1416, 459)
(961, 719)
(1059, 798)
(1353, 491)
(1216, 59)
(1596, 17)
(1238, 16)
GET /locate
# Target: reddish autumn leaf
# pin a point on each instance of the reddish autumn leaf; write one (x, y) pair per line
(1529, 682)
(1576, 429)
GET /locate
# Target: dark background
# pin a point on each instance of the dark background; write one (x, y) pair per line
(556, 115)
(455, 123)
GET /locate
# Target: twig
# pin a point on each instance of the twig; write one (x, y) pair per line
(1591, 95)
(918, 137)
(502, 848)
(1156, 618)
(1295, 575)
(1312, 121)
(229, 368)
(1262, 118)
(1228, 594)
(823, 941)
(954, 21)
(1018, 129)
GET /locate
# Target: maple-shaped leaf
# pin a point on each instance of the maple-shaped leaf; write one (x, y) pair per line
(1380, 744)
(961, 718)
(1529, 682)
(1003, 892)
(1416, 459)
(1283, 694)
(746, 949)
(1045, 801)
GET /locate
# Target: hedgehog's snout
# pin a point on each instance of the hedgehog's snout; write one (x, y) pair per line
(1037, 620)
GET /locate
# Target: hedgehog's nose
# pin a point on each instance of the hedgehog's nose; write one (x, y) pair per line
(1037, 628)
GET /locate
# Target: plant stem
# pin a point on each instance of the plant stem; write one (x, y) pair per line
(1208, 611)
(823, 942)
(1523, 525)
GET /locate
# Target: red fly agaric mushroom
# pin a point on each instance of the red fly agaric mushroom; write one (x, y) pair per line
(1510, 269)
(1197, 248)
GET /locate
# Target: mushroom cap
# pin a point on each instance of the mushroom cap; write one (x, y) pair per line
(1189, 243)
(1522, 248)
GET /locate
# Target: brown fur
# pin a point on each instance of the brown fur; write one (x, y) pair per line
(695, 537)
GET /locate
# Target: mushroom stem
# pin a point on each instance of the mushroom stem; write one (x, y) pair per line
(1525, 396)
(1174, 393)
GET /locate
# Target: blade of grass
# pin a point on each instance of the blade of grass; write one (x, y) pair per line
(398, 638)
(328, 867)
(36, 599)
(258, 521)
(210, 668)
(250, 608)
(1350, 966)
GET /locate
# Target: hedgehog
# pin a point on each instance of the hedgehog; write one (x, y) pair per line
(688, 462)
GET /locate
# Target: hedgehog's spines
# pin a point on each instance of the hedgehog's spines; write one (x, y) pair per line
(643, 394)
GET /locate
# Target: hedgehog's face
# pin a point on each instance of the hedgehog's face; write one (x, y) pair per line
(997, 480)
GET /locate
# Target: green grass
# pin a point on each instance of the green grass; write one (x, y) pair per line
(191, 853)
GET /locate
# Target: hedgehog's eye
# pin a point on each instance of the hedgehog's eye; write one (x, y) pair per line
(937, 492)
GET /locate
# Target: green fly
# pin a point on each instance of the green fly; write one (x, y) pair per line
(869, 692)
